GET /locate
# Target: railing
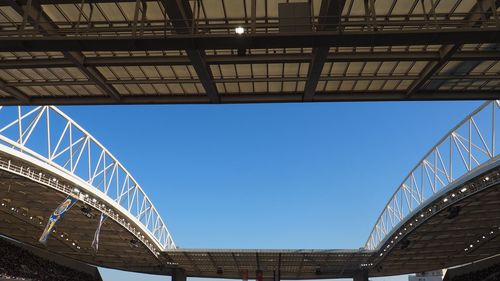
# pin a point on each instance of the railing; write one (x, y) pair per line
(226, 26)
(467, 146)
(50, 136)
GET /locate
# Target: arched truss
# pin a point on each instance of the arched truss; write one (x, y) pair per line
(46, 135)
(468, 147)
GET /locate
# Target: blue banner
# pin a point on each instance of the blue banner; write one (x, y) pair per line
(57, 215)
(95, 242)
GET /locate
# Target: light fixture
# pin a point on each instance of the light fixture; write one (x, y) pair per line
(239, 30)
(445, 200)
(463, 189)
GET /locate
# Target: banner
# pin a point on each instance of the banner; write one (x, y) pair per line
(95, 242)
(57, 215)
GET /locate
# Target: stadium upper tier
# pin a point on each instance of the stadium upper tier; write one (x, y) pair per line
(445, 212)
(245, 51)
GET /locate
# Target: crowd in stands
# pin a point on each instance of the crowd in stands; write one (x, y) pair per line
(491, 273)
(17, 263)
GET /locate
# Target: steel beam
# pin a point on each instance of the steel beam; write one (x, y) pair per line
(257, 41)
(21, 97)
(264, 97)
(181, 16)
(93, 74)
(132, 81)
(248, 59)
(329, 19)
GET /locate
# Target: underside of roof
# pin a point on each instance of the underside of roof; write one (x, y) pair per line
(169, 51)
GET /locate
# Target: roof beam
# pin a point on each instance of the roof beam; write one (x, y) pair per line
(92, 73)
(181, 16)
(256, 41)
(36, 15)
(75, 82)
(20, 96)
(248, 59)
(475, 17)
(266, 97)
(329, 19)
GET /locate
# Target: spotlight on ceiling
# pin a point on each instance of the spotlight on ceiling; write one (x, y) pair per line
(239, 30)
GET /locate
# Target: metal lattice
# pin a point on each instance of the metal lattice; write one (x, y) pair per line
(49, 135)
(467, 147)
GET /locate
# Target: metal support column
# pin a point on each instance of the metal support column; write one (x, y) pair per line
(179, 274)
(361, 276)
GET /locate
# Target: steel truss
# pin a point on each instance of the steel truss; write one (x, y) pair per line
(47, 135)
(469, 146)
(205, 43)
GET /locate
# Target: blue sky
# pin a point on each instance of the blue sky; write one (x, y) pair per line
(269, 175)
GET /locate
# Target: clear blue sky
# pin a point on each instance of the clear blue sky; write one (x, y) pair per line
(269, 175)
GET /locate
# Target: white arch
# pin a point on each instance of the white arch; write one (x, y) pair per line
(46, 136)
(465, 149)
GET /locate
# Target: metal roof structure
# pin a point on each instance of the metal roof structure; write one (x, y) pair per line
(187, 51)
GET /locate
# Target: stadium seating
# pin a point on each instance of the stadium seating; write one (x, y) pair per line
(490, 273)
(19, 264)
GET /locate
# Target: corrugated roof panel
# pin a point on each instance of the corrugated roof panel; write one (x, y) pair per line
(259, 70)
(362, 85)
(275, 69)
(167, 72)
(404, 84)
(161, 89)
(465, 6)
(376, 85)
(243, 70)
(274, 87)
(289, 86)
(4, 94)
(213, 9)
(9, 15)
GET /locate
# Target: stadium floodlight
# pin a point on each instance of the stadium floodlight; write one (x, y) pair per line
(239, 30)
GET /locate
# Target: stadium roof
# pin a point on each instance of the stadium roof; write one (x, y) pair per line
(180, 51)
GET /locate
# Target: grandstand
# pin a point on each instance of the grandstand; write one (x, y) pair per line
(22, 262)
(484, 270)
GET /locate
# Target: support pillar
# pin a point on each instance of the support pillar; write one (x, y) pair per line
(360, 276)
(179, 274)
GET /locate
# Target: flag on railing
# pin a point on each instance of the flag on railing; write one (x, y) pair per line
(57, 215)
(95, 242)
